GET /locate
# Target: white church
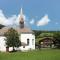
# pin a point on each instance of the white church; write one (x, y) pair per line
(26, 37)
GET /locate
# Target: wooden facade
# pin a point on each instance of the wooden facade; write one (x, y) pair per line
(46, 43)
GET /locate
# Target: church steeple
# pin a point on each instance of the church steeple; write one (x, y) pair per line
(21, 12)
(21, 19)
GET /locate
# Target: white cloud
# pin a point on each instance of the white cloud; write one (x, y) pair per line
(44, 21)
(14, 20)
(10, 21)
(32, 21)
(6, 21)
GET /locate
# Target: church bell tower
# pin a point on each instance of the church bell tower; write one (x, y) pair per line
(21, 22)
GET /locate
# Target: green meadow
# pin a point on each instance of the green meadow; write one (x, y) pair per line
(42, 54)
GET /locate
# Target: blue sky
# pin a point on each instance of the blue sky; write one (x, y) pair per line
(35, 11)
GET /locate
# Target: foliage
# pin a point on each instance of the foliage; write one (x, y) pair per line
(57, 39)
(43, 33)
(37, 33)
(12, 38)
(46, 35)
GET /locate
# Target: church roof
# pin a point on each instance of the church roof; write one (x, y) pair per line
(24, 30)
(3, 30)
(19, 30)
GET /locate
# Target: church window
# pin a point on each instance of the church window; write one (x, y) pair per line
(32, 41)
(27, 41)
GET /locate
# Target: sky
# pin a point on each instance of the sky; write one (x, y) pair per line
(39, 14)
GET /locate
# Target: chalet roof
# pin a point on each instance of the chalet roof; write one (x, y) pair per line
(43, 38)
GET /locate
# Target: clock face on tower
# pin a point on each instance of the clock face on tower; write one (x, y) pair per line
(22, 23)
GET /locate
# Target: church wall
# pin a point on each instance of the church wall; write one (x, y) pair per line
(2, 43)
(31, 44)
(23, 39)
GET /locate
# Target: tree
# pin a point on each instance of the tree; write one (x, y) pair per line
(12, 38)
(46, 35)
(57, 39)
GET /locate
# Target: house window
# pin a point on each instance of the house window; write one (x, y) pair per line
(27, 41)
(32, 41)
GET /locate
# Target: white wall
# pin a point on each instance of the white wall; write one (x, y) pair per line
(24, 38)
(2, 43)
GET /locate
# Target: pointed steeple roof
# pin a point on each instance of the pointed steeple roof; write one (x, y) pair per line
(21, 12)
(21, 19)
(21, 15)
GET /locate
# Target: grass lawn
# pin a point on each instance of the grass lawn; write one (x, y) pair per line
(45, 54)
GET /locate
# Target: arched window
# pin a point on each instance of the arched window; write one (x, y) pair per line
(32, 41)
(27, 41)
